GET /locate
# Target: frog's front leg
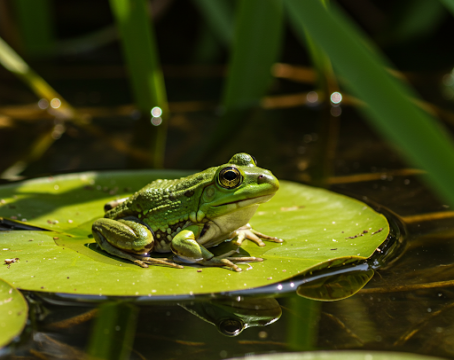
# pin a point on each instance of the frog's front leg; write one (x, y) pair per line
(127, 239)
(188, 249)
(247, 232)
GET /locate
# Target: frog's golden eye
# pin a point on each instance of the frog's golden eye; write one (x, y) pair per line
(230, 177)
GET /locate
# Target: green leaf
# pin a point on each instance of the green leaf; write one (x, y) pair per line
(415, 18)
(390, 104)
(141, 54)
(218, 15)
(449, 4)
(13, 312)
(147, 82)
(256, 45)
(321, 229)
(35, 20)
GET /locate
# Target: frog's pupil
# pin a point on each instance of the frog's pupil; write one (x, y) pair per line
(230, 175)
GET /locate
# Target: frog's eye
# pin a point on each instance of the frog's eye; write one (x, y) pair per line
(229, 177)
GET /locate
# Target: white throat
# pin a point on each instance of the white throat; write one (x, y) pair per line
(223, 226)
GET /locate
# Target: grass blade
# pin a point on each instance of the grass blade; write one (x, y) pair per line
(35, 22)
(219, 16)
(449, 4)
(140, 50)
(256, 46)
(413, 19)
(421, 138)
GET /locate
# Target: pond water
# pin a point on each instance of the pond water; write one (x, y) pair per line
(406, 306)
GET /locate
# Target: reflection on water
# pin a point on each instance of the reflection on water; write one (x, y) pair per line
(232, 315)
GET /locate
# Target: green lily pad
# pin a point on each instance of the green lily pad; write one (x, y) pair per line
(321, 229)
(13, 313)
(342, 355)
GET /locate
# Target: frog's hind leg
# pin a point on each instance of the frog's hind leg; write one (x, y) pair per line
(127, 239)
(112, 250)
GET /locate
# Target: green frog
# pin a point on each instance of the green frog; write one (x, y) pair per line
(187, 216)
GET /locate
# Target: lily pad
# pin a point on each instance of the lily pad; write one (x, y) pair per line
(342, 355)
(13, 313)
(321, 229)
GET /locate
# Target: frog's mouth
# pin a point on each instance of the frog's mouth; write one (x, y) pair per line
(247, 202)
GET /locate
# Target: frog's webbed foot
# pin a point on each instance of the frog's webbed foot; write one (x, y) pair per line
(226, 260)
(229, 261)
(247, 232)
(144, 260)
(187, 250)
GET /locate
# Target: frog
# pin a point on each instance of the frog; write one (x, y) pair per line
(187, 216)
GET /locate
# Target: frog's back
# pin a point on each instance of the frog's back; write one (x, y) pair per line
(165, 202)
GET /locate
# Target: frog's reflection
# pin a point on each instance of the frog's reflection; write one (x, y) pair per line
(232, 315)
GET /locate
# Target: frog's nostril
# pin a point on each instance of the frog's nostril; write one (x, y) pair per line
(268, 179)
(261, 179)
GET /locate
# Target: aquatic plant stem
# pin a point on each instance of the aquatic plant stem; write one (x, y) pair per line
(147, 82)
(113, 331)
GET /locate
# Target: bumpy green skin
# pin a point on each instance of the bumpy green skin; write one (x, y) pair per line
(185, 216)
(165, 205)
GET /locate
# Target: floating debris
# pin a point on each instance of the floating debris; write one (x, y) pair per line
(358, 235)
(11, 261)
(292, 208)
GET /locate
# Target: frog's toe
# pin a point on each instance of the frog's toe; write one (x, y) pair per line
(141, 263)
(267, 237)
(218, 261)
(246, 232)
(158, 261)
(244, 259)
